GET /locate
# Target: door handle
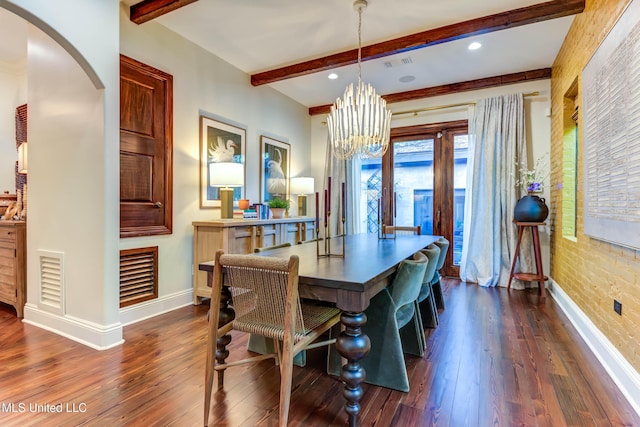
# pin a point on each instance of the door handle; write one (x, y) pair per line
(438, 219)
(157, 205)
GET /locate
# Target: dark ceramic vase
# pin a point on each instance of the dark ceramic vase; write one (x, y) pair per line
(531, 209)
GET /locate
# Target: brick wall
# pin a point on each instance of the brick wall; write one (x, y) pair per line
(591, 272)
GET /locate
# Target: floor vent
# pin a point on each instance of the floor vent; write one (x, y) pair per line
(138, 275)
(52, 281)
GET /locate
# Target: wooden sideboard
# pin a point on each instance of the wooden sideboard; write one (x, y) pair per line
(241, 236)
(13, 266)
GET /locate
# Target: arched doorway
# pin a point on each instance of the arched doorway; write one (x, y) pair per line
(72, 192)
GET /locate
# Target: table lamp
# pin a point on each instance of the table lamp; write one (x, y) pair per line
(226, 175)
(302, 186)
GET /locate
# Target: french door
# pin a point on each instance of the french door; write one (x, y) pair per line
(424, 172)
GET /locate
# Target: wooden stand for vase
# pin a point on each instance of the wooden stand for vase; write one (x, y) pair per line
(538, 276)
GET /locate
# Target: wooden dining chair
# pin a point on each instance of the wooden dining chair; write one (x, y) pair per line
(260, 344)
(265, 301)
(393, 328)
(401, 229)
(263, 249)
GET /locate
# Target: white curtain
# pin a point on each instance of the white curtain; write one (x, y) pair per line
(347, 171)
(496, 145)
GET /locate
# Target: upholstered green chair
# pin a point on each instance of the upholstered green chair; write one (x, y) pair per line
(436, 284)
(426, 299)
(393, 327)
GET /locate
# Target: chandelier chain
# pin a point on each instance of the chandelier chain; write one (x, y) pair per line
(359, 44)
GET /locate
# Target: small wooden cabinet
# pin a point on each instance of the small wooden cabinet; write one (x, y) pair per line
(13, 276)
(241, 236)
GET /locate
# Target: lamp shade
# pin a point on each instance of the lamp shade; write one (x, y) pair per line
(302, 185)
(226, 174)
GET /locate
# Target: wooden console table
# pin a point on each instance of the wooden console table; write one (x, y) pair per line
(13, 264)
(538, 276)
(241, 236)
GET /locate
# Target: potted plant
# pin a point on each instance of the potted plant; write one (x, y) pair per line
(531, 208)
(278, 206)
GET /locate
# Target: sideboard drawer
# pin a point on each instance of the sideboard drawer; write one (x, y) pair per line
(7, 234)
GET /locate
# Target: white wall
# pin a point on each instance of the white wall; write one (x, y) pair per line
(538, 129)
(203, 82)
(73, 97)
(13, 90)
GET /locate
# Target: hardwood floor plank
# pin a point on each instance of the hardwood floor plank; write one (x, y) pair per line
(497, 358)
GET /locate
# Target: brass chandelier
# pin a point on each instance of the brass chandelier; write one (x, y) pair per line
(359, 123)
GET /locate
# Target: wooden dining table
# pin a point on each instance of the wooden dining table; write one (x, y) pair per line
(349, 281)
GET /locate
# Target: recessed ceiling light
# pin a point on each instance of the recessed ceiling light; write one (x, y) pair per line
(407, 79)
(475, 45)
(332, 76)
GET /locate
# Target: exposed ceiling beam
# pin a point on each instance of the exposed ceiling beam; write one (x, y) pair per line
(484, 83)
(500, 21)
(150, 9)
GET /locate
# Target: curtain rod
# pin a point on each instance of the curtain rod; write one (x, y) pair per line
(442, 107)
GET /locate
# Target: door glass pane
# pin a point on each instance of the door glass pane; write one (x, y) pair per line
(413, 176)
(460, 153)
(371, 188)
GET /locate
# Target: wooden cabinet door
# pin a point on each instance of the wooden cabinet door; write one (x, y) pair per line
(146, 149)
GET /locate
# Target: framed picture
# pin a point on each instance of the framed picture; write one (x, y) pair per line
(219, 142)
(275, 160)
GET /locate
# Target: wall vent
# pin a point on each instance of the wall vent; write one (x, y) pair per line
(52, 281)
(138, 275)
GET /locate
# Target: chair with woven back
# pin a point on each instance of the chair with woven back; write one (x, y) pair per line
(401, 229)
(263, 249)
(260, 344)
(265, 301)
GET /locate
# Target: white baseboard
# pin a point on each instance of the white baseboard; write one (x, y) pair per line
(155, 307)
(99, 337)
(103, 337)
(619, 369)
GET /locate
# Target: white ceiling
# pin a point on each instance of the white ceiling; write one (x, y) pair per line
(260, 35)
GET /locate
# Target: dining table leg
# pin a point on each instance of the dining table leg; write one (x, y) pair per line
(227, 314)
(353, 345)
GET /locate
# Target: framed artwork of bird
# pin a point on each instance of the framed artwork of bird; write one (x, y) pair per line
(275, 160)
(221, 141)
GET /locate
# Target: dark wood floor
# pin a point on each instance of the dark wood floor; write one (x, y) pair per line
(497, 359)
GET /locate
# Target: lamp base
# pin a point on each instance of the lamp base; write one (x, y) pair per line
(302, 205)
(226, 203)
